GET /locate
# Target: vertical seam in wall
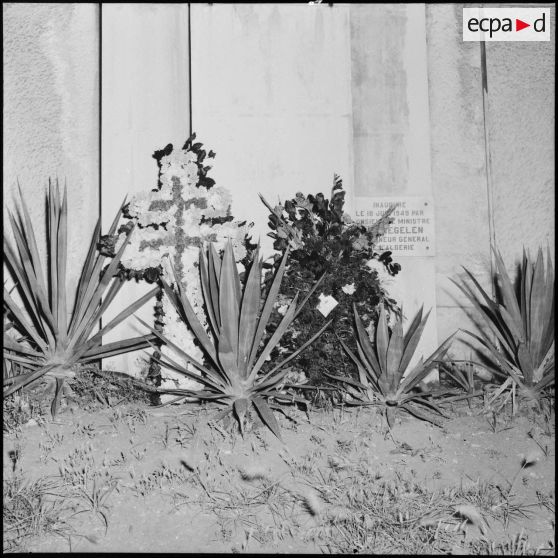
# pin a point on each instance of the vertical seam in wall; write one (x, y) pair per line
(431, 169)
(488, 161)
(100, 131)
(190, 66)
(352, 168)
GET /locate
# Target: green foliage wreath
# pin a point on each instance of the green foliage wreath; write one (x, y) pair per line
(325, 241)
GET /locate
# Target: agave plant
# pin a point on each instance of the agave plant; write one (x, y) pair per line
(385, 377)
(54, 340)
(519, 324)
(9, 368)
(233, 374)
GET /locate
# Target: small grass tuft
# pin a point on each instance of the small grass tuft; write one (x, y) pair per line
(31, 509)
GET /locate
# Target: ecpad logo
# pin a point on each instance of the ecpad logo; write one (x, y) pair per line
(506, 24)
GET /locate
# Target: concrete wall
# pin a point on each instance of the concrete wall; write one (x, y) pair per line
(145, 94)
(145, 106)
(520, 121)
(287, 95)
(271, 94)
(51, 113)
(521, 78)
(458, 161)
(391, 125)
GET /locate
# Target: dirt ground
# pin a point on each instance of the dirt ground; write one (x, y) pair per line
(135, 478)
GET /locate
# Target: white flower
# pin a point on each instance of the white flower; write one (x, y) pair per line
(299, 213)
(349, 289)
(283, 309)
(191, 157)
(375, 265)
(383, 276)
(219, 199)
(391, 284)
(139, 204)
(296, 376)
(150, 235)
(145, 259)
(161, 195)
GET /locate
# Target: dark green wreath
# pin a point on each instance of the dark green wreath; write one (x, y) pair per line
(325, 241)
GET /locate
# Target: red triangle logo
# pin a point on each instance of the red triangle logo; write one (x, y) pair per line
(519, 25)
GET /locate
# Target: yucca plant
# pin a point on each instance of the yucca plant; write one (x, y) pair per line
(232, 375)
(383, 367)
(8, 368)
(54, 340)
(518, 332)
